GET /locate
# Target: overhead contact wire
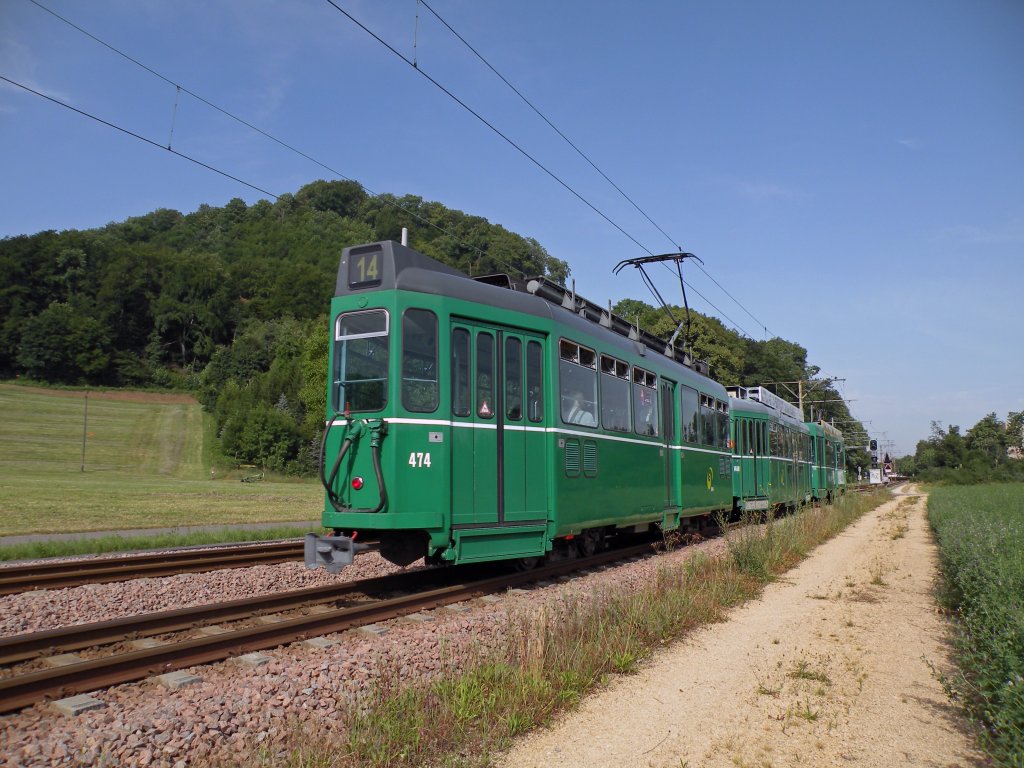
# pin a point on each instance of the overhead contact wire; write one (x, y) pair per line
(140, 138)
(263, 133)
(582, 154)
(483, 120)
(543, 117)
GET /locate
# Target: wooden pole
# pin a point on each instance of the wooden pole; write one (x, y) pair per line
(85, 427)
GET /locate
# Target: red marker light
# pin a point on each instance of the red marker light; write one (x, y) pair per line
(357, 483)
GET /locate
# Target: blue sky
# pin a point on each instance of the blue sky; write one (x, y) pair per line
(853, 173)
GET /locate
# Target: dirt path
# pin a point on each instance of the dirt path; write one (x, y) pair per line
(829, 667)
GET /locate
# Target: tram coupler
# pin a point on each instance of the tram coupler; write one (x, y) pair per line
(332, 552)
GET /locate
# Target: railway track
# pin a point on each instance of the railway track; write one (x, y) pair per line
(18, 690)
(73, 573)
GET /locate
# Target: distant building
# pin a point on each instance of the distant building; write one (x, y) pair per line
(1013, 452)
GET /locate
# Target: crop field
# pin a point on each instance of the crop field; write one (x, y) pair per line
(981, 535)
(144, 467)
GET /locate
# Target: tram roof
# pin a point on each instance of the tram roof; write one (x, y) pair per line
(402, 268)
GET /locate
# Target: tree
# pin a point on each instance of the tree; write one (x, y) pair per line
(192, 312)
(1015, 429)
(345, 198)
(990, 438)
(64, 343)
(948, 444)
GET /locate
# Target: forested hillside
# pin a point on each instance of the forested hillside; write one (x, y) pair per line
(231, 303)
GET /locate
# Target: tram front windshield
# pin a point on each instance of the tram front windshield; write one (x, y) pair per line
(359, 380)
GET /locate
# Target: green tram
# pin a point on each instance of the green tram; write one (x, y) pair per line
(772, 466)
(828, 461)
(487, 419)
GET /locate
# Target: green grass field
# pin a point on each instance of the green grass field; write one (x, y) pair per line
(980, 529)
(144, 467)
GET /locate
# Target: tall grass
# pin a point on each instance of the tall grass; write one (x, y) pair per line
(552, 655)
(980, 530)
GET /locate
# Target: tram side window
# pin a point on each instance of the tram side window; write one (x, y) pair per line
(534, 382)
(485, 375)
(773, 439)
(577, 383)
(615, 414)
(707, 420)
(513, 379)
(723, 424)
(420, 389)
(359, 380)
(691, 415)
(645, 402)
(461, 396)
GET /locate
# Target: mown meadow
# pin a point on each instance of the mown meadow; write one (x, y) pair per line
(980, 530)
(146, 465)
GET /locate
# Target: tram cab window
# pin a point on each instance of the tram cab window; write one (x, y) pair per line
(359, 377)
(691, 415)
(420, 388)
(645, 402)
(615, 413)
(577, 384)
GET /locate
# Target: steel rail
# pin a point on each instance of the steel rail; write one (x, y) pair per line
(70, 573)
(18, 648)
(21, 691)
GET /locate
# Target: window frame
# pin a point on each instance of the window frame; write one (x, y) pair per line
(572, 353)
(402, 362)
(339, 349)
(614, 375)
(646, 382)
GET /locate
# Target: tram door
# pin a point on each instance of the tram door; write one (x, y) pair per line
(750, 450)
(498, 446)
(763, 460)
(668, 431)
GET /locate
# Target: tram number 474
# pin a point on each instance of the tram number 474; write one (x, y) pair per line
(417, 460)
